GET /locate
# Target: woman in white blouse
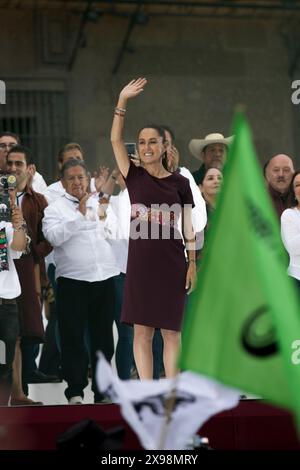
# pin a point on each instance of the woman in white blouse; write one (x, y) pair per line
(290, 228)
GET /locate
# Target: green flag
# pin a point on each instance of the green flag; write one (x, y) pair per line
(244, 315)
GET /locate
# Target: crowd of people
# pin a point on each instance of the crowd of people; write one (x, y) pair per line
(92, 254)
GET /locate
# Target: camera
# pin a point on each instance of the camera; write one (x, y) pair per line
(131, 149)
(7, 184)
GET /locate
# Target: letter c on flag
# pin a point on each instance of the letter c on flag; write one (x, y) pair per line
(258, 334)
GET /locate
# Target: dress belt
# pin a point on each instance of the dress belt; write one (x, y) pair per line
(154, 215)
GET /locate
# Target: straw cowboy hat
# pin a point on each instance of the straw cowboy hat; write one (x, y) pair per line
(196, 146)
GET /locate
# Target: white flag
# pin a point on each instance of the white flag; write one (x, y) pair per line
(143, 405)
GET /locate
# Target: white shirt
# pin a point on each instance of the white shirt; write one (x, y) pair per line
(51, 193)
(199, 216)
(38, 183)
(92, 185)
(9, 281)
(290, 233)
(121, 208)
(82, 249)
(54, 191)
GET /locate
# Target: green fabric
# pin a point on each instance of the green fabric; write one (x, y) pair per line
(245, 304)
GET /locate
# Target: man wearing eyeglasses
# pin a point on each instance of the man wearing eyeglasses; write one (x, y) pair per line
(7, 141)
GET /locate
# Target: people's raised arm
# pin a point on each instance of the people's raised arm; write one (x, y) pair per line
(18, 223)
(109, 186)
(134, 88)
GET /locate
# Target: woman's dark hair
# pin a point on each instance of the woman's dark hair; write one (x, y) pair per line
(161, 132)
(201, 179)
(293, 200)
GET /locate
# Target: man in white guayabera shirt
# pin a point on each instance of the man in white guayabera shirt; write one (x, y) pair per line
(12, 243)
(70, 151)
(85, 265)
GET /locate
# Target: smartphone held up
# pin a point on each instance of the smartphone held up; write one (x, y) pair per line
(132, 153)
(131, 149)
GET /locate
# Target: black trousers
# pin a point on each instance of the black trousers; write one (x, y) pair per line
(84, 305)
(9, 329)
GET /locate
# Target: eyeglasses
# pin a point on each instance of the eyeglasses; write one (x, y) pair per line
(7, 146)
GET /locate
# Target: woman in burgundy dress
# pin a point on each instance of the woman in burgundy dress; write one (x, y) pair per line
(158, 276)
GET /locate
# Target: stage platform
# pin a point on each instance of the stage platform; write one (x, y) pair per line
(252, 425)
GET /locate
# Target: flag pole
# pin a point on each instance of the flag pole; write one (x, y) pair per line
(169, 407)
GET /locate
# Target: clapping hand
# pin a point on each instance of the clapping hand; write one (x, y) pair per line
(116, 172)
(82, 203)
(172, 158)
(31, 173)
(101, 177)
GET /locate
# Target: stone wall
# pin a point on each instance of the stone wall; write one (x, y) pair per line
(198, 71)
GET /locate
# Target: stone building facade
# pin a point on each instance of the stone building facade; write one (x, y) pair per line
(198, 69)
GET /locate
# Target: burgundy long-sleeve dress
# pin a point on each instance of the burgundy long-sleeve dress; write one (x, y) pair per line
(156, 270)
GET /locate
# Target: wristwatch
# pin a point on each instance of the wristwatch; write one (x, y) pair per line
(23, 227)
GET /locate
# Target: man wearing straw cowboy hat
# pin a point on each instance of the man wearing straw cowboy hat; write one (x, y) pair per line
(211, 151)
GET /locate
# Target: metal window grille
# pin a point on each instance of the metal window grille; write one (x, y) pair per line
(40, 118)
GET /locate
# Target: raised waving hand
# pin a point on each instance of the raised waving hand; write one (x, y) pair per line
(132, 89)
